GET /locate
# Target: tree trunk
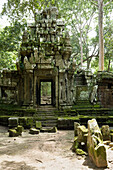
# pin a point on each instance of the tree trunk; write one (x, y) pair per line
(109, 65)
(101, 42)
(81, 47)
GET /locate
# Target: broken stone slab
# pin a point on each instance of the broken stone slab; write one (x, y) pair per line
(105, 132)
(34, 131)
(95, 146)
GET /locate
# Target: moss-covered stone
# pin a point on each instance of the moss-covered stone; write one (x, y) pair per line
(80, 152)
(19, 129)
(13, 133)
(82, 131)
(96, 148)
(38, 125)
(105, 132)
(34, 131)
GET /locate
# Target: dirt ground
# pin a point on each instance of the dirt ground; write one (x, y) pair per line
(46, 151)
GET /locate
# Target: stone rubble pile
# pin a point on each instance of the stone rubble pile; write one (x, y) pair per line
(91, 141)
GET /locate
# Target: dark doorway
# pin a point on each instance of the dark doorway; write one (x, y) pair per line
(46, 95)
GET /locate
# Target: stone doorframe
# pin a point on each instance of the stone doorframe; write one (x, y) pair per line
(43, 76)
(52, 91)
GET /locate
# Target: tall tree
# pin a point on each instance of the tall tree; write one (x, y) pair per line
(79, 15)
(100, 5)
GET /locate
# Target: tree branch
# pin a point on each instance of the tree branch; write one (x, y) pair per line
(108, 3)
(87, 59)
(94, 3)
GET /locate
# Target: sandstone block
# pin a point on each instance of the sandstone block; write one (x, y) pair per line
(105, 132)
(96, 148)
(82, 131)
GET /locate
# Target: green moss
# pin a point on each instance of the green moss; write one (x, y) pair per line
(70, 118)
(80, 152)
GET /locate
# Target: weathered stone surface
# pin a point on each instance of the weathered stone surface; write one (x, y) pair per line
(34, 131)
(105, 132)
(96, 148)
(76, 124)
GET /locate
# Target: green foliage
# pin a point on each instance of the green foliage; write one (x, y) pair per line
(10, 38)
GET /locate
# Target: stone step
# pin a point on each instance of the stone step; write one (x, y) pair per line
(49, 124)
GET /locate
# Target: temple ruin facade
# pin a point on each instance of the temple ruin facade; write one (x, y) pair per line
(45, 72)
(44, 59)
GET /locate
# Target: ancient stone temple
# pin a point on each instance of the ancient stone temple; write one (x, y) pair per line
(44, 63)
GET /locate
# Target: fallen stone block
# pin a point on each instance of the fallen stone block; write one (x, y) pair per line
(13, 133)
(34, 131)
(95, 146)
